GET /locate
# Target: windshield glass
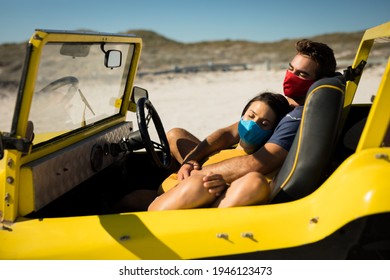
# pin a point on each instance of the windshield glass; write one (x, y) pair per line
(75, 88)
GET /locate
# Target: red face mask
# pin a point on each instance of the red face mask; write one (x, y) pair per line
(294, 86)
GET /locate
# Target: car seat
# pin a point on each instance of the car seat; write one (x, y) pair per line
(310, 154)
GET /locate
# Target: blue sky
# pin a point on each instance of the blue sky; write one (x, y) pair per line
(193, 20)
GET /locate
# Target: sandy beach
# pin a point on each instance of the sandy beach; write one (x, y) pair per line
(205, 101)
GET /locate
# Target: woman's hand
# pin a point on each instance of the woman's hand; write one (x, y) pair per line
(186, 169)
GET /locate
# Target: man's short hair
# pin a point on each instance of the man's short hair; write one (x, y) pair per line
(320, 53)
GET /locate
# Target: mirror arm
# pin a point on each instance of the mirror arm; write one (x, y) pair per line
(102, 47)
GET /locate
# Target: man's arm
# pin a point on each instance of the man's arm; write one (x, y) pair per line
(267, 159)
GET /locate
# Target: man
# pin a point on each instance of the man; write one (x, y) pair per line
(312, 61)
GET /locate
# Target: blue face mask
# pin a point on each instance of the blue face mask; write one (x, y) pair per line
(252, 134)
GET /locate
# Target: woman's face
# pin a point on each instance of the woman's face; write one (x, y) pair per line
(262, 114)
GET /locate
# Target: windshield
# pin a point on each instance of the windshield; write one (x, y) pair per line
(76, 86)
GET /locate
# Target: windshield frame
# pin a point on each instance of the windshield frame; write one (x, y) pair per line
(30, 73)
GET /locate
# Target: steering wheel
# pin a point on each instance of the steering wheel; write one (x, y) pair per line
(68, 80)
(152, 147)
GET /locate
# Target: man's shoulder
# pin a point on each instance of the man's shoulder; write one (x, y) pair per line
(292, 116)
(287, 128)
(296, 113)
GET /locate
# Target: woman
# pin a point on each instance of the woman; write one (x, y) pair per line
(258, 120)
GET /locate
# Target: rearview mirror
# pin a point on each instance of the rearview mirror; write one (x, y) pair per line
(75, 49)
(113, 59)
(139, 93)
(135, 96)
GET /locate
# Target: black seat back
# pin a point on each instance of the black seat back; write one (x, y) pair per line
(311, 151)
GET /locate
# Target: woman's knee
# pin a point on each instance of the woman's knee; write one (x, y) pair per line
(181, 143)
(254, 179)
(193, 194)
(250, 189)
(192, 187)
(190, 193)
(175, 133)
(257, 183)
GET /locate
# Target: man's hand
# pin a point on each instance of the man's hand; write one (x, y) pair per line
(214, 183)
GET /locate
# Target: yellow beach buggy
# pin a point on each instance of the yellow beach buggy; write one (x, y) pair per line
(72, 153)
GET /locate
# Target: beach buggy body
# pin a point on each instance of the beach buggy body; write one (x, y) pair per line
(72, 153)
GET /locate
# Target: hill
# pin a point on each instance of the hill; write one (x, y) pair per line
(160, 53)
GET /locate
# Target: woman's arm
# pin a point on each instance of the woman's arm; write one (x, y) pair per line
(221, 139)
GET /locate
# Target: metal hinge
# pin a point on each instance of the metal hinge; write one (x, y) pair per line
(11, 143)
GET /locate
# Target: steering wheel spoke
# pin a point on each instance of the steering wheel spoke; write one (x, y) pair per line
(148, 118)
(158, 146)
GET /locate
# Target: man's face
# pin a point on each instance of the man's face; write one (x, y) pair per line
(304, 67)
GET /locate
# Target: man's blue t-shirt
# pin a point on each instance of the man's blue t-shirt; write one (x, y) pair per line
(287, 128)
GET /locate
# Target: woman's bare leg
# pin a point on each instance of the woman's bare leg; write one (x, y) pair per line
(181, 142)
(189, 193)
(250, 189)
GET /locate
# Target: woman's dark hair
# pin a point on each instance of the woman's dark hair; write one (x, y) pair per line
(277, 102)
